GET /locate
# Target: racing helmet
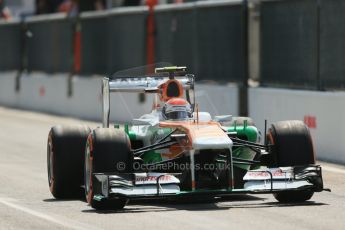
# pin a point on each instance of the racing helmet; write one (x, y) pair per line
(177, 109)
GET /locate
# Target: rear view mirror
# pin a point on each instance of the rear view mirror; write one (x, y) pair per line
(223, 118)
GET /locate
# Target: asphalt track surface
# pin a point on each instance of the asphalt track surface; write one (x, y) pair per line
(26, 203)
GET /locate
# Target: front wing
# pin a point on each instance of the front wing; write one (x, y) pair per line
(165, 185)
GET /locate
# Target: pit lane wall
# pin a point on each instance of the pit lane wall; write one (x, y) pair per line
(323, 112)
(50, 93)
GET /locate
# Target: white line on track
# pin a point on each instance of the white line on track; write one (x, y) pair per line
(333, 169)
(62, 222)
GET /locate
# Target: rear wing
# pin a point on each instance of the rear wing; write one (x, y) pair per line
(144, 84)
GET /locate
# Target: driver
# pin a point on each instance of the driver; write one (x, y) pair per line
(177, 109)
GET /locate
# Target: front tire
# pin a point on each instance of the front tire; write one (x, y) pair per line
(292, 147)
(293, 196)
(105, 149)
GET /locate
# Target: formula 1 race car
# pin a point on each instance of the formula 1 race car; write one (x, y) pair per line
(177, 151)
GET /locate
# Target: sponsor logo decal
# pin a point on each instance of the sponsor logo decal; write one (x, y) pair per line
(310, 121)
(264, 175)
(153, 178)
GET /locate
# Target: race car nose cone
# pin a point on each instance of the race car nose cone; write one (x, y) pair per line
(212, 143)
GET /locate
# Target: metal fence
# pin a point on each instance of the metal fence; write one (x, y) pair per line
(127, 39)
(332, 44)
(112, 41)
(49, 44)
(10, 46)
(176, 35)
(221, 41)
(94, 43)
(302, 42)
(289, 43)
(206, 37)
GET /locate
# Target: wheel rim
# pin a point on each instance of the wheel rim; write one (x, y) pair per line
(50, 159)
(88, 170)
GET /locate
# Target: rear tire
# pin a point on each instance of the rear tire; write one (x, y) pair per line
(292, 147)
(65, 160)
(105, 149)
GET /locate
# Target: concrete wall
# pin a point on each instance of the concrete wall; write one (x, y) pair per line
(8, 95)
(323, 112)
(44, 93)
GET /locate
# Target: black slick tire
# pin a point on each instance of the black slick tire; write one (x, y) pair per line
(292, 146)
(106, 149)
(65, 160)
